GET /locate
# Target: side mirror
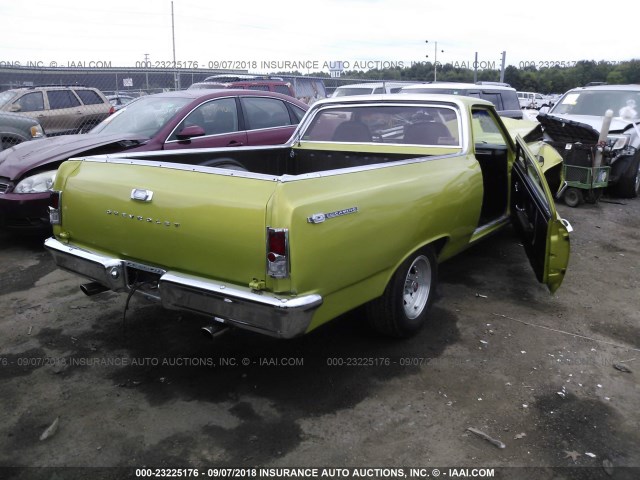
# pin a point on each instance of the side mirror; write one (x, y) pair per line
(15, 107)
(191, 131)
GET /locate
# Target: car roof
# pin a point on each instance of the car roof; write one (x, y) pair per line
(225, 92)
(375, 84)
(624, 88)
(457, 85)
(50, 87)
(409, 97)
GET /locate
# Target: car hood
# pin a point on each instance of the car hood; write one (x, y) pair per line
(583, 128)
(16, 118)
(16, 161)
(529, 130)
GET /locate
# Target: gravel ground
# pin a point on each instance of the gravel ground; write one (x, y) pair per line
(540, 373)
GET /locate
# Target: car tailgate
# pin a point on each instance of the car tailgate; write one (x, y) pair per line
(211, 224)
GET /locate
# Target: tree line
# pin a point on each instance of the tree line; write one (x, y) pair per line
(555, 79)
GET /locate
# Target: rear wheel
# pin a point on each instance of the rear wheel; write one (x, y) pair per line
(593, 195)
(573, 197)
(402, 309)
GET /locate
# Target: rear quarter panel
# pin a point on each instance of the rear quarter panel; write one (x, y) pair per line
(349, 259)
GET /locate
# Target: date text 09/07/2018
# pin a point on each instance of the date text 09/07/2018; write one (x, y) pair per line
(314, 472)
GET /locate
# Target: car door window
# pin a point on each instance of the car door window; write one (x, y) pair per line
(493, 98)
(31, 102)
(527, 165)
(486, 130)
(298, 113)
(89, 97)
(215, 117)
(59, 99)
(492, 153)
(263, 112)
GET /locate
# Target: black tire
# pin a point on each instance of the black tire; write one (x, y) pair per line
(629, 183)
(402, 309)
(573, 197)
(593, 195)
(228, 163)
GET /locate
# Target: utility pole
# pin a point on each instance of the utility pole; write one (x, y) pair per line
(146, 67)
(504, 59)
(475, 69)
(176, 78)
(435, 60)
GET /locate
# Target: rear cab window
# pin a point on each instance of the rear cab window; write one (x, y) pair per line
(434, 125)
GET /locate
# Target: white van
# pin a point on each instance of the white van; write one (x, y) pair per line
(533, 100)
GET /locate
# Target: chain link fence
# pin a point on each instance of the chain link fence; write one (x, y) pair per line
(74, 100)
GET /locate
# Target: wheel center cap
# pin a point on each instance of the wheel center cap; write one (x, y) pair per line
(414, 286)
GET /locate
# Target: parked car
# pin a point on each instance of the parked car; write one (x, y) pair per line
(165, 121)
(534, 100)
(15, 129)
(59, 109)
(358, 208)
(503, 97)
(578, 117)
(368, 88)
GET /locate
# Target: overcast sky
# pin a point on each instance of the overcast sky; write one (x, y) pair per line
(122, 32)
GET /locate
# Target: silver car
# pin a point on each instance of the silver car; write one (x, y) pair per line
(59, 109)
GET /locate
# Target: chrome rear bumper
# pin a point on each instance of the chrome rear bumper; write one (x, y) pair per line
(263, 312)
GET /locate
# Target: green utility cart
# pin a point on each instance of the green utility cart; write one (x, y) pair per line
(584, 181)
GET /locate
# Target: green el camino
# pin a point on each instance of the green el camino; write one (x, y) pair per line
(359, 207)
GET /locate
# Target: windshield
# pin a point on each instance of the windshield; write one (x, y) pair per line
(624, 104)
(144, 117)
(5, 97)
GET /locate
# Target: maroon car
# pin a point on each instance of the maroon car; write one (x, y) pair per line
(172, 120)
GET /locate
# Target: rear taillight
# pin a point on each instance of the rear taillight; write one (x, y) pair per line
(278, 252)
(55, 217)
(112, 110)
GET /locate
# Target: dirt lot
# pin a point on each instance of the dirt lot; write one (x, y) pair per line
(500, 354)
